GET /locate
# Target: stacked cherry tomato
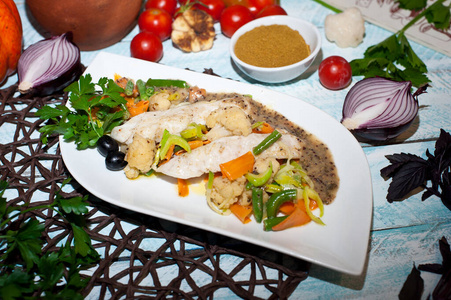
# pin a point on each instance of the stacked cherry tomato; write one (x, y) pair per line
(155, 22)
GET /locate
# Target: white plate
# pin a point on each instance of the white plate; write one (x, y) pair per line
(340, 245)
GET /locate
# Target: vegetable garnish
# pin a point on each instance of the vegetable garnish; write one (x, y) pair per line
(394, 58)
(267, 142)
(78, 124)
(379, 108)
(183, 189)
(241, 212)
(28, 272)
(49, 65)
(238, 167)
(409, 171)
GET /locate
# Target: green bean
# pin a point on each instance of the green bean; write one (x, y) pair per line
(167, 83)
(129, 88)
(269, 223)
(257, 204)
(267, 142)
(274, 202)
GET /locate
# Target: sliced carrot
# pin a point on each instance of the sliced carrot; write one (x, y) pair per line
(238, 167)
(242, 212)
(170, 152)
(193, 145)
(313, 204)
(264, 128)
(287, 208)
(138, 108)
(130, 101)
(183, 188)
(297, 218)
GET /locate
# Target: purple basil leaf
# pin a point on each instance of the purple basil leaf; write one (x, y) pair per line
(443, 288)
(443, 151)
(397, 161)
(446, 188)
(426, 195)
(445, 250)
(413, 286)
(407, 178)
(432, 268)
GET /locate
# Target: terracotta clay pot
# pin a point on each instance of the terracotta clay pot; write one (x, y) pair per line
(96, 24)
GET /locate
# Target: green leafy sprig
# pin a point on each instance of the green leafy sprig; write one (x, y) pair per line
(394, 58)
(93, 112)
(25, 271)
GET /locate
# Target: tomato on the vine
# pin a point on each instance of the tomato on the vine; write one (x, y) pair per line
(146, 45)
(335, 73)
(271, 10)
(212, 7)
(233, 17)
(168, 5)
(260, 4)
(157, 21)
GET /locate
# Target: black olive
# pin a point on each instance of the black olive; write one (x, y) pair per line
(115, 161)
(106, 144)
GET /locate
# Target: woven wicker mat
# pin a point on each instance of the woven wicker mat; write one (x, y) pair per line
(200, 264)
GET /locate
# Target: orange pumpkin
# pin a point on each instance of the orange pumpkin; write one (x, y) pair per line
(10, 38)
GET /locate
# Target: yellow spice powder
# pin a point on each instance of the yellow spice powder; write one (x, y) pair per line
(271, 46)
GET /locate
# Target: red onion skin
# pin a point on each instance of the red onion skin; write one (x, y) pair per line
(60, 82)
(382, 134)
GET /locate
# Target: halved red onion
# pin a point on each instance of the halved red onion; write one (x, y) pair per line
(49, 65)
(379, 108)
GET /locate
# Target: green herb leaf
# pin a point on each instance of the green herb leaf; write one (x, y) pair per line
(94, 112)
(394, 57)
(27, 240)
(412, 4)
(439, 16)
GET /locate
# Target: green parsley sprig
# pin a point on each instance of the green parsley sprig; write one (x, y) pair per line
(93, 112)
(26, 271)
(394, 58)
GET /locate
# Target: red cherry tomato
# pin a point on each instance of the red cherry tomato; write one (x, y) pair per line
(233, 17)
(271, 10)
(212, 7)
(157, 21)
(168, 5)
(146, 45)
(335, 73)
(260, 4)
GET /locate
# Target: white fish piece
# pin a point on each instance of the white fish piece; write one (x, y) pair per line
(208, 158)
(151, 125)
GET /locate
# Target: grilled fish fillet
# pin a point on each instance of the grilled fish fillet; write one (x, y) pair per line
(209, 157)
(151, 125)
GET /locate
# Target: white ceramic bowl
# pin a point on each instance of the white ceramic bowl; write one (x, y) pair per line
(280, 74)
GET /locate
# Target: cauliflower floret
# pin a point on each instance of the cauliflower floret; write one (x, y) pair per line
(346, 29)
(140, 156)
(225, 192)
(131, 173)
(160, 101)
(232, 118)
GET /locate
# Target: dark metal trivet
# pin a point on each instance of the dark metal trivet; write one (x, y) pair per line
(35, 171)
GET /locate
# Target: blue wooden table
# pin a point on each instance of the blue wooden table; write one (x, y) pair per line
(403, 233)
